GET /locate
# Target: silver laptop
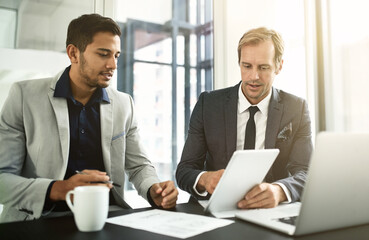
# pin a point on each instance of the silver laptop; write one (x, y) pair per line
(336, 193)
(246, 169)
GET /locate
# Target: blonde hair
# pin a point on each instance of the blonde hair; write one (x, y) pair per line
(257, 35)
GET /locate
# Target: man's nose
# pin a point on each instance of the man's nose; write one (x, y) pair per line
(254, 74)
(112, 63)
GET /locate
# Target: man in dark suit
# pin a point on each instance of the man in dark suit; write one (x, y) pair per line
(218, 126)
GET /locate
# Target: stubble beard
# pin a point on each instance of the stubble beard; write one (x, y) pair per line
(90, 82)
(259, 96)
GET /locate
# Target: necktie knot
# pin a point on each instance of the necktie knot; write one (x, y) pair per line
(253, 110)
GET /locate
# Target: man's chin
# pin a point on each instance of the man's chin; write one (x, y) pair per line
(255, 98)
(104, 84)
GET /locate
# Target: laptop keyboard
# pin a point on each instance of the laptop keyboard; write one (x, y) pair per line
(288, 220)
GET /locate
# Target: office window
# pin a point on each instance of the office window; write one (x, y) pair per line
(291, 18)
(31, 33)
(346, 42)
(166, 62)
(8, 21)
(287, 17)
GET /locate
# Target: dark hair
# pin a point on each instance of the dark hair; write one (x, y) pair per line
(82, 29)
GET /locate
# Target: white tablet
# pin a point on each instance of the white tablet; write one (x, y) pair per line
(246, 169)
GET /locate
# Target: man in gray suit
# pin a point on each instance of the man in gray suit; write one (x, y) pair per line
(51, 129)
(218, 125)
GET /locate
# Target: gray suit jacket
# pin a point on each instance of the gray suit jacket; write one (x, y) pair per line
(34, 147)
(212, 137)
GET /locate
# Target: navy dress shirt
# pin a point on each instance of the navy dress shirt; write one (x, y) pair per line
(84, 122)
(85, 135)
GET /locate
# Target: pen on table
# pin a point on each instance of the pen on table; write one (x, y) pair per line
(105, 182)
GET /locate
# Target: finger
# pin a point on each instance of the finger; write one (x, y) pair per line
(247, 201)
(88, 177)
(92, 172)
(156, 189)
(92, 178)
(168, 187)
(170, 193)
(264, 203)
(258, 204)
(169, 205)
(211, 188)
(261, 196)
(172, 196)
(212, 184)
(94, 183)
(255, 191)
(244, 204)
(263, 200)
(169, 201)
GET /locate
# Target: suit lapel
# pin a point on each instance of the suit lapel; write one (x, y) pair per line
(60, 108)
(106, 124)
(230, 116)
(274, 119)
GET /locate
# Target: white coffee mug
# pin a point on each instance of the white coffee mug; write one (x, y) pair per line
(90, 207)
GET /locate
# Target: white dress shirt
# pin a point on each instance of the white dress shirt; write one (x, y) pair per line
(261, 118)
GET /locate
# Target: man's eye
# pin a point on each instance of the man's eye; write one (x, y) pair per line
(264, 68)
(103, 54)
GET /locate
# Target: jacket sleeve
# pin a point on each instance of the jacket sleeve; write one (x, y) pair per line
(27, 195)
(194, 151)
(299, 156)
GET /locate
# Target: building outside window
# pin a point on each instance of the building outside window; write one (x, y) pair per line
(165, 64)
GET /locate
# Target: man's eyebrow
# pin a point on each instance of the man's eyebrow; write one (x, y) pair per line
(264, 65)
(106, 50)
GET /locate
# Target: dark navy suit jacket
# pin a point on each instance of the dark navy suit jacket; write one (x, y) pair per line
(212, 138)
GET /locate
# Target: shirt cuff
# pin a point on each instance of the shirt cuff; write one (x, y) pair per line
(203, 194)
(286, 191)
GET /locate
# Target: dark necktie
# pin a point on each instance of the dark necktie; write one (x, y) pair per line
(250, 129)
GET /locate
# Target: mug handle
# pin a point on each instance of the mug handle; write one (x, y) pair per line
(69, 202)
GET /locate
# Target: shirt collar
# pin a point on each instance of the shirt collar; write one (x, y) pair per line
(244, 104)
(62, 89)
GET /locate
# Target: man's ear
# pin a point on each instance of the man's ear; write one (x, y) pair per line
(277, 71)
(73, 53)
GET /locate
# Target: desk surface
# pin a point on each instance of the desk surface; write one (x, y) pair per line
(65, 228)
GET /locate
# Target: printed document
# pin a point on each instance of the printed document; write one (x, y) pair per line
(174, 224)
